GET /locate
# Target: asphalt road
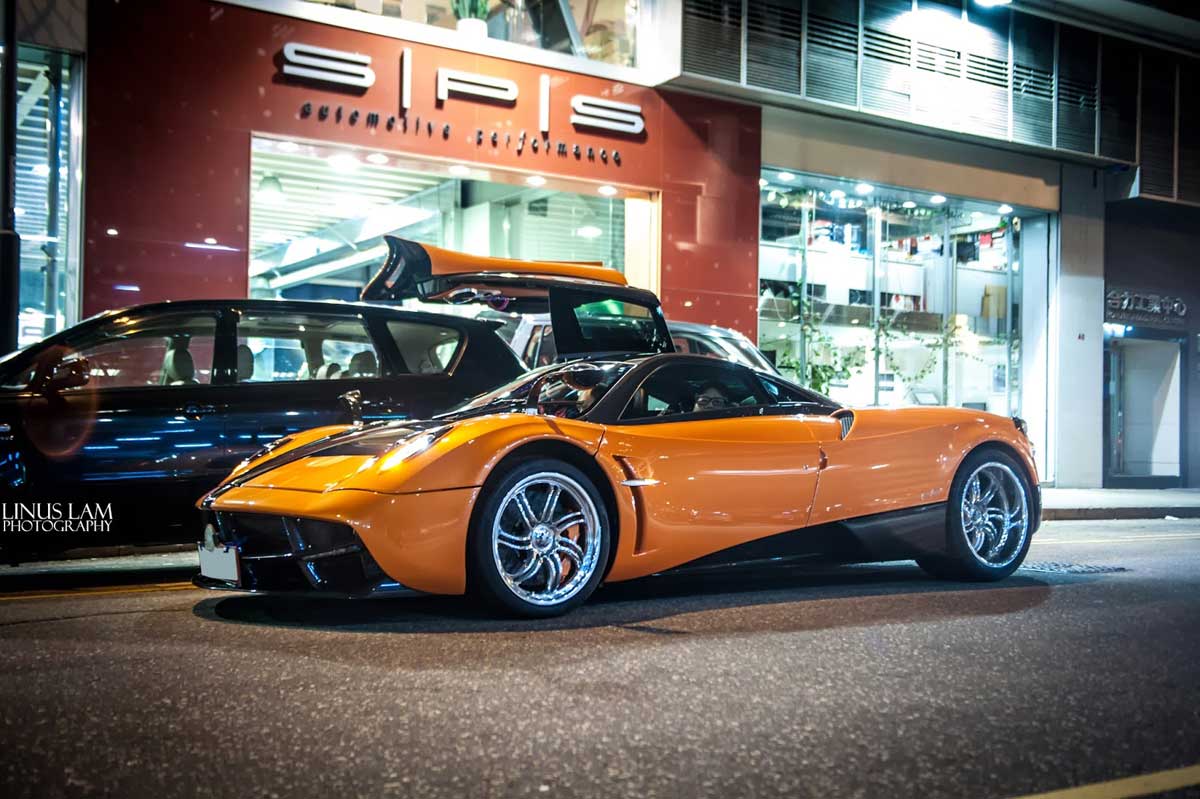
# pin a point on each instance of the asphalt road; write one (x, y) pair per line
(853, 681)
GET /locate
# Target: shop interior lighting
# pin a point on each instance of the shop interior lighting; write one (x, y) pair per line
(837, 194)
(18, 211)
(762, 183)
(287, 147)
(937, 199)
(992, 3)
(458, 170)
(909, 204)
(863, 189)
(588, 232)
(1005, 209)
(377, 158)
(786, 177)
(343, 162)
(41, 170)
(535, 180)
(607, 191)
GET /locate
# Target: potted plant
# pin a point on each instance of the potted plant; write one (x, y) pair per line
(472, 17)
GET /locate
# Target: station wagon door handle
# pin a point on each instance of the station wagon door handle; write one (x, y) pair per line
(194, 410)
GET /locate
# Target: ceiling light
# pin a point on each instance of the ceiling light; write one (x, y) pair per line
(127, 287)
(607, 191)
(270, 190)
(588, 232)
(18, 211)
(762, 183)
(377, 158)
(1005, 209)
(41, 170)
(535, 180)
(287, 147)
(992, 3)
(937, 199)
(209, 244)
(343, 162)
(786, 177)
(688, 303)
(837, 194)
(210, 240)
(112, 231)
(863, 188)
(459, 170)
(976, 214)
(908, 204)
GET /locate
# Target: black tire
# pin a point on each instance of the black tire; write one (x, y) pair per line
(483, 555)
(961, 561)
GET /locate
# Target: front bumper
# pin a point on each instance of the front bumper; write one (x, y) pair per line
(287, 554)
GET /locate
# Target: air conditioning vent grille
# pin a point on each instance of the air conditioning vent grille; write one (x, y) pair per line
(773, 39)
(712, 38)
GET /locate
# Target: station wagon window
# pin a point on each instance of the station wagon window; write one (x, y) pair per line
(694, 389)
(425, 349)
(291, 346)
(171, 350)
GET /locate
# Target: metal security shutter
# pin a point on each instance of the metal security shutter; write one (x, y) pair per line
(773, 34)
(1157, 157)
(887, 58)
(1189, 131)
(1077, 90)
(712, 38)
(1118, 99)
(1033, 80)
(832, 69)
(940, 64)
(987, 71)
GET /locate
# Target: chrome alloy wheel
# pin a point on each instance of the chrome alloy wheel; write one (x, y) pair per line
(995, 514)
(546, 538)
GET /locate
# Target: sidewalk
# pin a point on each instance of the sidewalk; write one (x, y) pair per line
(1120, 503)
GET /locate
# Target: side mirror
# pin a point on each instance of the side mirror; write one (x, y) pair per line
(352, 403)
(68, 373)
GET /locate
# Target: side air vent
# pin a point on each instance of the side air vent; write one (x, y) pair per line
(773, 36)
(846, 419)
(1118, 99)
(1077, 90)
(832, 73)
(1158, 124)
(712, 38)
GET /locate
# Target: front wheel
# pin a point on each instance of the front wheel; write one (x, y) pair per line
(540, 542)
(988, 524)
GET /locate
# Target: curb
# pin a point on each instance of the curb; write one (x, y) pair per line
(1102, 514)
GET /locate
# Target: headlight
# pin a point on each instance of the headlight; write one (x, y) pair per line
(412, 447)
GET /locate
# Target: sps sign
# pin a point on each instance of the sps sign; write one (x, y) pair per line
(354, 70)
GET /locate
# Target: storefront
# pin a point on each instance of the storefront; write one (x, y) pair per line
(267, 155)
(1151, 346)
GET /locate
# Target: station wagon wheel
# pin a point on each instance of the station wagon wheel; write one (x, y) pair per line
(540, 541)
(988, 520)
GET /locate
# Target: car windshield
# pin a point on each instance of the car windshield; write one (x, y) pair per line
(563, 393)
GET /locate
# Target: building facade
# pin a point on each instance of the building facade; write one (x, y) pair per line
(903, 201)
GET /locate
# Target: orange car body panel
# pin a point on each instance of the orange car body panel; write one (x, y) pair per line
(717, 483)
(449, 262)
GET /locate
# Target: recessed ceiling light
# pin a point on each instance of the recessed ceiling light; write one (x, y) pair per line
(377, 158)
(607, 191)
(460, 170)
(863, 188)
(762, 183)
(687, 303)
(786, 177)
(588, 232)
(976, 214)
(992, 3)
(112, 231)
(41, 170)
(937, 199)
(210, 240)
(535, 180)
(18, 211)
(837, 194)
(908, 204)
(287, 147)
(343, 162)
(1005, 209)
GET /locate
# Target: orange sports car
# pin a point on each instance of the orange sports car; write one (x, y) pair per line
(627, 460)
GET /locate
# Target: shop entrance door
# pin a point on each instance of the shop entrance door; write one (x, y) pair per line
(1144, 412)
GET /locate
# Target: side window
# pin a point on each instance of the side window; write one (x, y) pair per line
(780, 392)
(288, 346)
(170, 350)
(684, 390)
(426, 349)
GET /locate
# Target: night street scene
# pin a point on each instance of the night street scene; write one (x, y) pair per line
(600, 398)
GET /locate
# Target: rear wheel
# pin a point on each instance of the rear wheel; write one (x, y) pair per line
(988, 522)
(540, 541)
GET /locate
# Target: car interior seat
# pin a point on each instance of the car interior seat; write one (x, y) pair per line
(363, 364)
(178, 368)
(327, 371)
(245, 363)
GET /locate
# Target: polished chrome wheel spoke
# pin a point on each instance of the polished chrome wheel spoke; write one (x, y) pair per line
(552, 552)
(995, 514)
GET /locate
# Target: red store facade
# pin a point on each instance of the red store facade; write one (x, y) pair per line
(198, 110)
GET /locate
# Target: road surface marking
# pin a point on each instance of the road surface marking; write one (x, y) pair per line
(1129, 539)
(1144, 784)
(102, 590)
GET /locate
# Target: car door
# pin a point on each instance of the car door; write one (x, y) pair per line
(293, 366)
(708, 477)
(140, 431)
